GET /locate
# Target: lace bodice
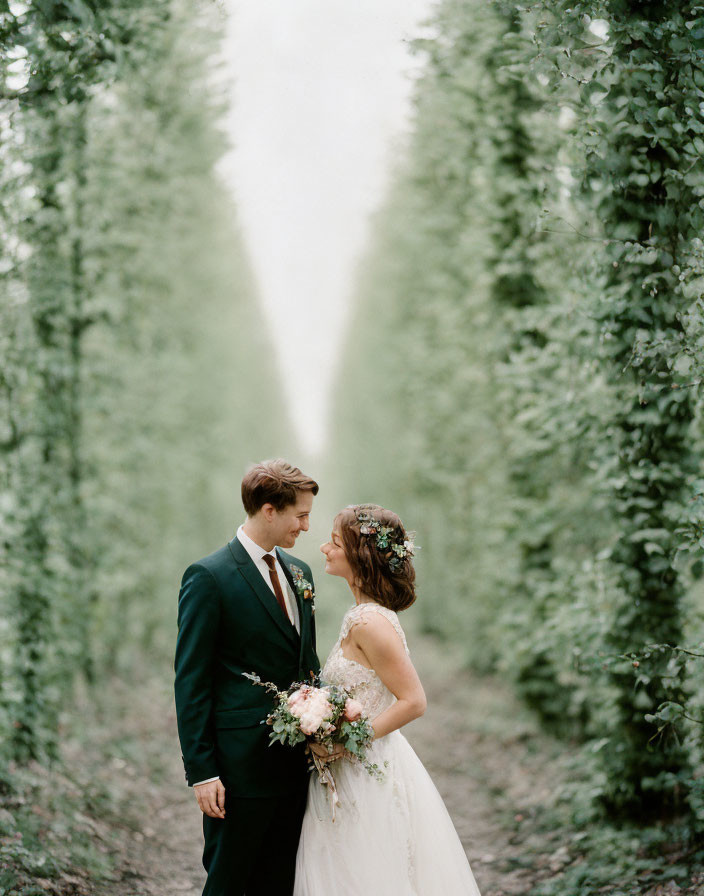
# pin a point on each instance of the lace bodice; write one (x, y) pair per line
(363, 683)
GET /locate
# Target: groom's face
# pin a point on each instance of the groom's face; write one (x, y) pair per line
(287, 524)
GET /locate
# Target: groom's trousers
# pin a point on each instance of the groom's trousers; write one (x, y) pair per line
(252, 851)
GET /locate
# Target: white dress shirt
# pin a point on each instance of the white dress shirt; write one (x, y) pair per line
(257, 555)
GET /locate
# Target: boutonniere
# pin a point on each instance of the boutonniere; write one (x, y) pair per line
(303, 586)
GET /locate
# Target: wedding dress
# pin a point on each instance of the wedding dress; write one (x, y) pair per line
(390, 837)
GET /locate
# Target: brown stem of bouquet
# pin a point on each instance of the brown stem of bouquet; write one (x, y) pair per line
(325, 776)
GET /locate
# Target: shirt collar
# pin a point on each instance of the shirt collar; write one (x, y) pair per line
(253, 549)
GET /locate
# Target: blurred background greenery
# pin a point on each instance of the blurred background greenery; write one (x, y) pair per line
(520, 381)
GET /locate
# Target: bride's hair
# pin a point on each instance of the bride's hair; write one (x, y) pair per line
(379, 572)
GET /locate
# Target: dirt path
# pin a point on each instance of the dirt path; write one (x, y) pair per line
(493, 783)
(158, 844)
(493, 769)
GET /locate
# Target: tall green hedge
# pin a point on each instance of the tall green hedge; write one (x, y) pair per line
(526, 352)
(131, 340)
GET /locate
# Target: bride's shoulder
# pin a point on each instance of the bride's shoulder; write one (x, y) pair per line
(368, 611)
(372, 620)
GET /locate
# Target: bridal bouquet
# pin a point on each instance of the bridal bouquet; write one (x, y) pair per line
(323, 714)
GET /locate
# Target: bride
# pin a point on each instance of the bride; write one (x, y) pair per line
(391, 835)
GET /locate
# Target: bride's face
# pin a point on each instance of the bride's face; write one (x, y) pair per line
(336, 562)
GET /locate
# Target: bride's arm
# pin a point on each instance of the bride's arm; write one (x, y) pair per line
(383, 649)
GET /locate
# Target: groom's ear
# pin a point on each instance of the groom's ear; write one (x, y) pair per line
(268, 511)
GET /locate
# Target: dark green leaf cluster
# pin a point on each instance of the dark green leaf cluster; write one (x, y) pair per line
(285, 728)
(356, 738)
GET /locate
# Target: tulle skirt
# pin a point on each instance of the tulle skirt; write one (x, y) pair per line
(390, 837)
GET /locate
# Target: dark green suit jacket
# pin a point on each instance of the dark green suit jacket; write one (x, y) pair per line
(228, 623)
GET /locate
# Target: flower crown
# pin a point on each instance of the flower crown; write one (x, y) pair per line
(394, 552)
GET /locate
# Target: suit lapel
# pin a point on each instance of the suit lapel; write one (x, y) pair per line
(265, 595)
(289, 578)
(304, 609)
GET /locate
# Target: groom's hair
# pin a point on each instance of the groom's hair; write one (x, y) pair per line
(274, 482)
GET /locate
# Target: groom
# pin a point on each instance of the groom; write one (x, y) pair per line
(247, 608)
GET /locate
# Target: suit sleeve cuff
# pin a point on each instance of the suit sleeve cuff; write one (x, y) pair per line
(207, 780)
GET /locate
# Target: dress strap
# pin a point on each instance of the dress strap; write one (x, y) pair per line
(358, 613)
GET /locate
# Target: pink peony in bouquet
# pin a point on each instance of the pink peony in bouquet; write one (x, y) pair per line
(317, 714)
(324, 714)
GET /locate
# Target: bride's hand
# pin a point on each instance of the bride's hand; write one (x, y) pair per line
(321, 751)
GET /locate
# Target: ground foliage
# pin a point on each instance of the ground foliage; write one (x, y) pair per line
(536, 289)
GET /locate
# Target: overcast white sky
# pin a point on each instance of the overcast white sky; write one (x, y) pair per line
(321, 95)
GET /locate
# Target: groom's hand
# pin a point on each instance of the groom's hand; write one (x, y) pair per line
(211, 798)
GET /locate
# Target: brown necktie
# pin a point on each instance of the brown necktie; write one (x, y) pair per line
(269, 560)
